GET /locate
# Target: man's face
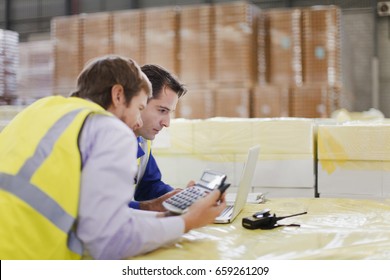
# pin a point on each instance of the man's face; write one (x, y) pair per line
(157, 114)
(131, 114)
(137, 105)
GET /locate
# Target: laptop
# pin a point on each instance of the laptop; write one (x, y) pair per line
(231, 211)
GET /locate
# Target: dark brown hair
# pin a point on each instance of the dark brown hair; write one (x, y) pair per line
(160, 77)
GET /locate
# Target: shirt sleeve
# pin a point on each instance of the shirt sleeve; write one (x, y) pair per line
(108, 228)
(151, 186)
(134, 204)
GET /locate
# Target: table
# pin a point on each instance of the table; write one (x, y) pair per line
(333, 228)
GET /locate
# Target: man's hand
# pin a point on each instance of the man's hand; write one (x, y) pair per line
(204, 210)
(156, 204)
(191, 183)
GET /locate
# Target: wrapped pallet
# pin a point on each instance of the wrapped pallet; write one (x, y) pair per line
(354, 160)
(286, 165)
(9, 62)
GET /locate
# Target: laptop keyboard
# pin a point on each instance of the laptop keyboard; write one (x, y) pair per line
(227, 211)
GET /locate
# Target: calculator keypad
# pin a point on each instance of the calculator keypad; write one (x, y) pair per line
(185, 198)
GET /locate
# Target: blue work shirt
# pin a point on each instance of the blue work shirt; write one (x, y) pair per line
(151, 186)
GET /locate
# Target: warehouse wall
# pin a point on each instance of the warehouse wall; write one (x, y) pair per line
(357, 53)
(32, 17)
(384, 63)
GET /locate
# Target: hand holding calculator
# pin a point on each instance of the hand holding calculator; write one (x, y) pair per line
(209, 181)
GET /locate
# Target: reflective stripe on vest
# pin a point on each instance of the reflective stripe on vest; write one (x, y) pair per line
(20, 186)
(146, 146)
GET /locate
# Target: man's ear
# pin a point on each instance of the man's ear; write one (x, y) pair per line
(117, 95)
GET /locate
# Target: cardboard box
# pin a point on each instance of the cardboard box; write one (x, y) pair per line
(96, 35)
(235, 35)
(314, 101)
(196, 104)
(284, 47)
(128, 34)
(161, 37)
(321, 45)
(66, 38)
(270, 101)
(232, 102)
(195, 41)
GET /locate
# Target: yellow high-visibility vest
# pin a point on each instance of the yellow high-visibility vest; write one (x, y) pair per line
(40, 170)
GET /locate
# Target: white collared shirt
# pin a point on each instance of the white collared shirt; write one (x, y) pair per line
(108, 228)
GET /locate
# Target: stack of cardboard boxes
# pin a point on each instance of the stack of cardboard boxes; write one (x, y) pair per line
(127, 34)
(67, 41)
(96, 35)
(300, 53)
(217, 59)
(279, 63)
(322, 84)
(285, 47)
(161, 37)
(237, 60)
(235, 45)
(195, 61)
(321, 45)
(196, 45)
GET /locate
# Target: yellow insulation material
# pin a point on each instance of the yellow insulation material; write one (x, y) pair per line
(365, 143)
(279, 138)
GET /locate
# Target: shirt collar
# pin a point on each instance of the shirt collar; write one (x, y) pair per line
(140, 151)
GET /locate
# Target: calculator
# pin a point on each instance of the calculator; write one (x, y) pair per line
(209, 181)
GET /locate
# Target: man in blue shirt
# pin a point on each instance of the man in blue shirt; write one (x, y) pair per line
(150, 189)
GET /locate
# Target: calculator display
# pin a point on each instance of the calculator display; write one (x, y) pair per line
(211, 180)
